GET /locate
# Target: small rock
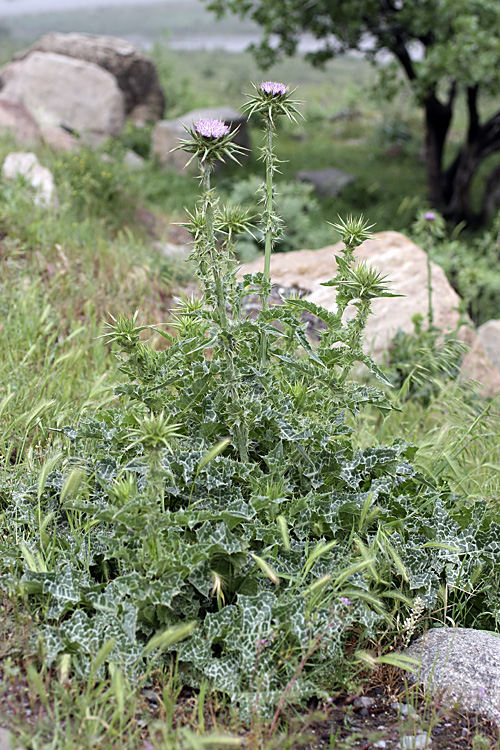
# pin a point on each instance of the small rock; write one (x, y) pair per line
(133, 160)
(154, 224)
(463, 666)
(404, 709)
(171, 251)
(25, 164)
(415, 742)
(5, 740)
(380, 744)
(327, 182)
(364, 701)
(151, 697)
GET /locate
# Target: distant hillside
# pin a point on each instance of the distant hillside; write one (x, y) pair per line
(183, 22)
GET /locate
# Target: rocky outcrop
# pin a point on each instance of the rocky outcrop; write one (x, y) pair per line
(405, 264)
(62, 91)
(135, 73)
(461, 666)
(167, 134)
(40, 179)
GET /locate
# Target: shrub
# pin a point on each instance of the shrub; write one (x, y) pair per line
(93, 186)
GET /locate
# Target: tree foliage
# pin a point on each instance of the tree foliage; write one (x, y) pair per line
(447, 49)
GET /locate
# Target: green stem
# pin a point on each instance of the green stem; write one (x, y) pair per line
(206, 170)
(430, 313)
(268, 248)
(269, 211)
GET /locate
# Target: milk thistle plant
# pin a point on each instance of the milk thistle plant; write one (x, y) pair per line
(270, 101)
(225, 501)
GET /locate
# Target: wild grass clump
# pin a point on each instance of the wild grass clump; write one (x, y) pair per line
(223, 516)
(65, 268)
(470, 263)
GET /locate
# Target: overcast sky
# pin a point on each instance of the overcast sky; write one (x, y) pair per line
(21, 7)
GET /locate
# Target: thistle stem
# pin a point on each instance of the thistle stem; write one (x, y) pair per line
(430, 312)
(268, 248)
(206, 170)
(269, 210)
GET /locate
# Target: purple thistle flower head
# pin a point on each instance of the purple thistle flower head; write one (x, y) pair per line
(345, 601)
(274, 89)
(208, 128)
(430, 216)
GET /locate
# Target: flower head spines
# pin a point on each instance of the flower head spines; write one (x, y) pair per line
(270, 100)
(211, 139)
(271, 88)
(209, 128)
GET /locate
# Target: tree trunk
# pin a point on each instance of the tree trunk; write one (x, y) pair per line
(491, 199)
(437, 123)
(456, 184)
(450, 188)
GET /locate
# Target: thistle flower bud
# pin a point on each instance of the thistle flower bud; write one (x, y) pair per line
(270, 100)
(271, 88)
(208, 128)
(210, 140)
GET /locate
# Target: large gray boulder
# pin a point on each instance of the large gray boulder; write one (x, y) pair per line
(462, 666)
(489, 333)
(134, 71)
(406, 266)
(63, 91)
(16, 121)
(167, 134)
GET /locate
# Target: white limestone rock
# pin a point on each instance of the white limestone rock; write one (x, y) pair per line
(63, 91)
(26, 165)
(405, 264)
(461, 665)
